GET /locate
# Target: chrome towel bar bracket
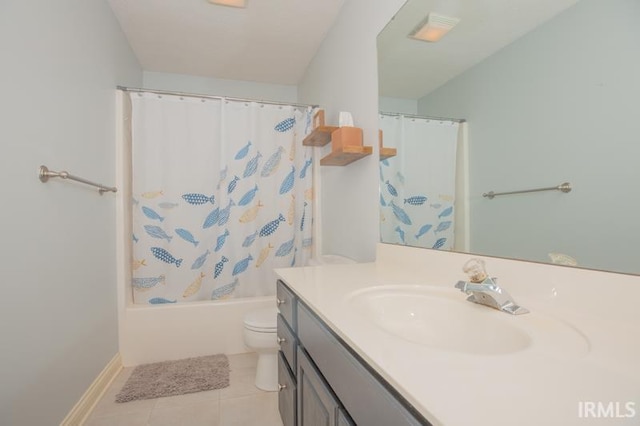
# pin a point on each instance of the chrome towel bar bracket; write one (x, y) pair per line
(44, 175)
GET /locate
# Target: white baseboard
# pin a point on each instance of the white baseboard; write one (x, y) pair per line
(83, 408)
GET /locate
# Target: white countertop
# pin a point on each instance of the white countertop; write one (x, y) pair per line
(535, 386)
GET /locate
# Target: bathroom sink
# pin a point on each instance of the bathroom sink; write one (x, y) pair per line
(441, 318)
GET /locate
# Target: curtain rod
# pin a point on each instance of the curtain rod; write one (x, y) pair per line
(195, 95)
(426, 117)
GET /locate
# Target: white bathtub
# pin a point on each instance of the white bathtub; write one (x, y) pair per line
(160, 333)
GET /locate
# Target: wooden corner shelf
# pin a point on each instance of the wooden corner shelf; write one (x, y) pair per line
(387, 153)
(321, 134)
(346, 155)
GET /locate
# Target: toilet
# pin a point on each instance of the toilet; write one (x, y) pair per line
(260, 333)
(260, 328)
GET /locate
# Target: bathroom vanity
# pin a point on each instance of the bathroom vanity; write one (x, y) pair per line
(322, 381)
(394, 343)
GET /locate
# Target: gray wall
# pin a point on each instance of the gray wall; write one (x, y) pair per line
(404, 106)
(559, 104)
(343, 77)
(220, 87)
(61, 61)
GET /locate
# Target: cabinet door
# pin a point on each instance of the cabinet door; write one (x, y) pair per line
(344, 419)
(287, 395)
(316, 404)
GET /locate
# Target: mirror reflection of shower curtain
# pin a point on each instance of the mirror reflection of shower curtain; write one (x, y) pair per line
(417, 188)
(222, 194)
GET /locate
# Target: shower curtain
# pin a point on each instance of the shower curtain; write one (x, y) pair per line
(417, 189)
(222, 194)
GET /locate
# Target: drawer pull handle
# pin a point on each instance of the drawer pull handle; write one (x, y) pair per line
(281, 387)
(280, 302)
(281, 340)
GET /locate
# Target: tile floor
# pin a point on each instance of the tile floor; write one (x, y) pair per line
(240, 404)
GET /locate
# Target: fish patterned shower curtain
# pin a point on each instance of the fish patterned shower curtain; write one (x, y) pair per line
(222, 194)
(417, 188)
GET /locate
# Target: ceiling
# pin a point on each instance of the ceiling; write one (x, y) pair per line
(270, 41)
(411, 69)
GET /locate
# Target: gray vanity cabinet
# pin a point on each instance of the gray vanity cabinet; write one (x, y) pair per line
(316, 403)
(288, 391)
(323, 382)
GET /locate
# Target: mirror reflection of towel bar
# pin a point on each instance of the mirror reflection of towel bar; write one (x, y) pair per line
(45, 174)
(563, 187)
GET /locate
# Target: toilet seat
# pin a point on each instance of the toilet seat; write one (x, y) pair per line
(262, 321)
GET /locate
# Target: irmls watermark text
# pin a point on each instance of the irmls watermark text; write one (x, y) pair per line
(608, 409)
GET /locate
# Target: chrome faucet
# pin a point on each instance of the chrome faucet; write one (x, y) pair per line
(484, 290)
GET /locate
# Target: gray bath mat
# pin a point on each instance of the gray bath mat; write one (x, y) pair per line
(171, 378)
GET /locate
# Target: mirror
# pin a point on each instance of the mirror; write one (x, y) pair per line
(549, 91)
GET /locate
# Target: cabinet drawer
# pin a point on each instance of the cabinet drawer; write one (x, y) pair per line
(287, 342)
(287, 394)
(365, 398)
(286, 304)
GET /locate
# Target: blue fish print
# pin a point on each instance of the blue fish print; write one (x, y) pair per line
(197, 199)
(285, 248)
(199, 262)
(248, 197)
(443, 226)
(423, 230)
(252, 166)
(400, 214)
(381, 174)
(391, 189)
(250, 239)
(224, 214)
(232, 184)
(385, 162)
(307, 242)
(436, 206)
(223, 175)
(383, 203)
(293, 260)
(446, 212)
(400, 234)
(134, 238)
(272, 163)
(285, 125)
(287, 183)
(304, 213)
(151, 214)
(218, 268)
(243, 152)
(439, 243)
(212, 218)
(417, 200)
(303, 171)
(271, 227)
(221, 240)
(160, 301)
(135, 202)
(400, 177)
(165, 256)
(224, 291)
(157, 232)
(187, 236)
(143, 284)
(242, 265)
(167, 206)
